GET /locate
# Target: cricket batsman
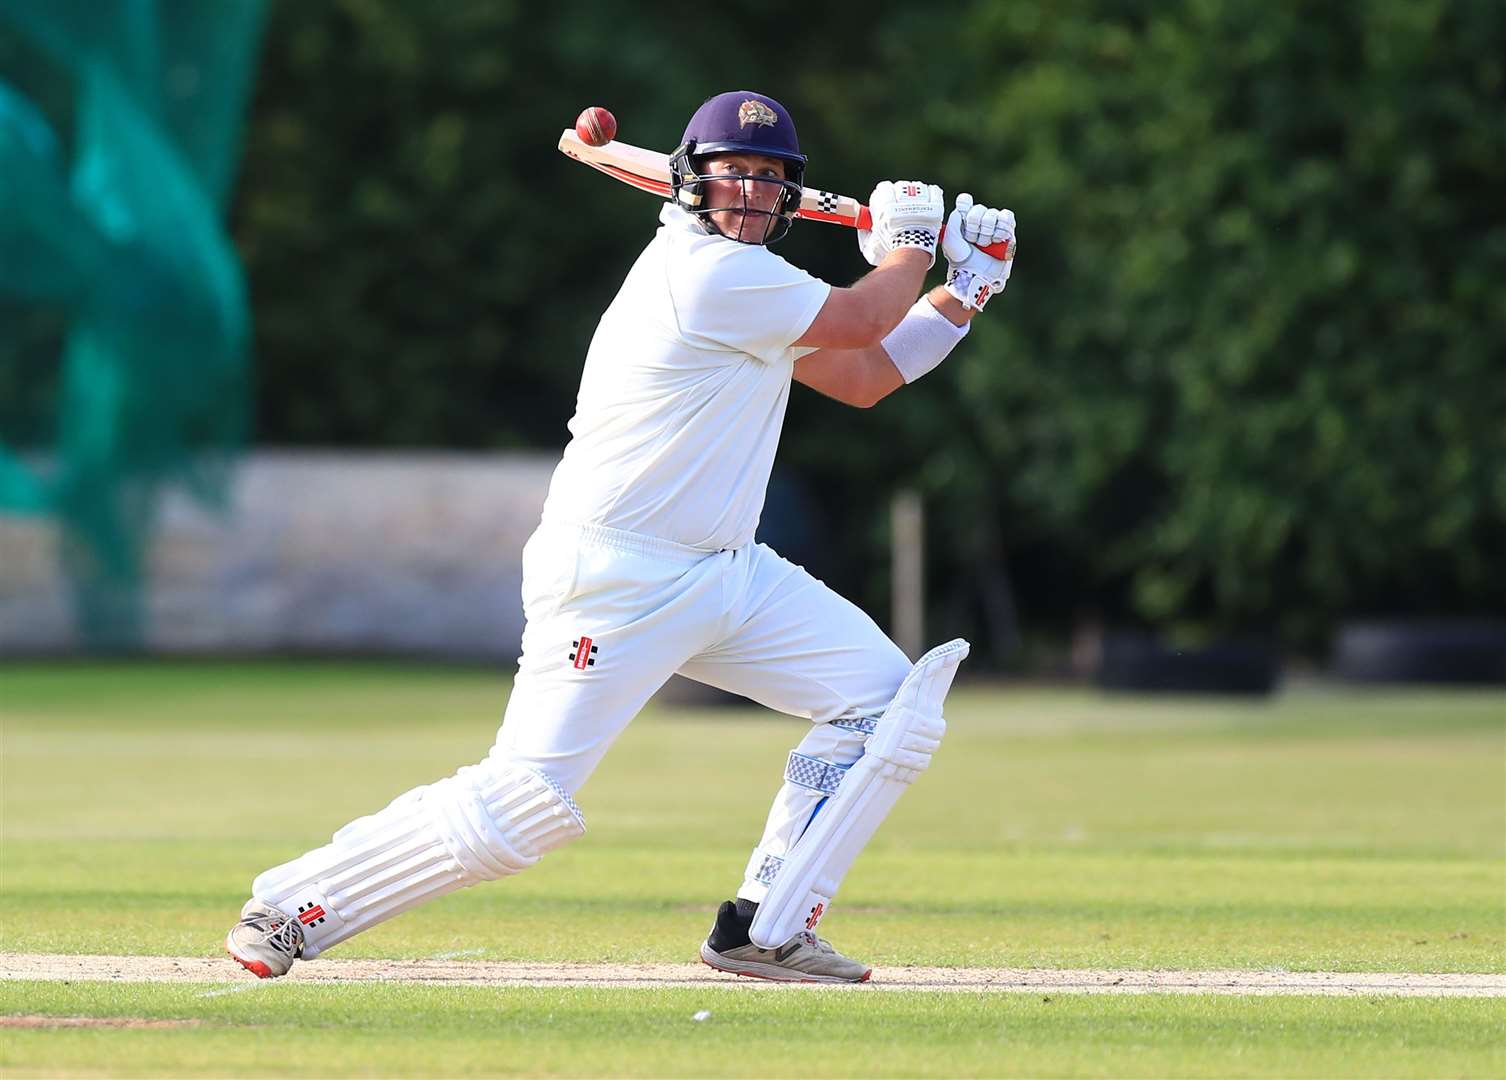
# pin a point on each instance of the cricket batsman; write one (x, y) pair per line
(645, 564)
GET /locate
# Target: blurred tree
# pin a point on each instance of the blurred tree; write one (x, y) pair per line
(1257, 356)
(1248, 375)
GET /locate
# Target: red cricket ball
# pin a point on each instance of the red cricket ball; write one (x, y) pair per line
(596, 126)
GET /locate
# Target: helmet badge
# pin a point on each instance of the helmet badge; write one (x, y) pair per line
(753, 111)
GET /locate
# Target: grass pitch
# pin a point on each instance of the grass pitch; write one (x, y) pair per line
(282, 1030)
(1348, 831)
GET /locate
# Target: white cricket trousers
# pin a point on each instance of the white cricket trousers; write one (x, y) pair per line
(611, 615)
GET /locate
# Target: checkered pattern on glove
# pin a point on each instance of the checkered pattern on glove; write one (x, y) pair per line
(906, 213)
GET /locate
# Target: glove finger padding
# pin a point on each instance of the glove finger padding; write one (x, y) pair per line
(954, 243)
(1005, 229)
(987, 228)
(973, 275)
(871, 241)
(972, 226)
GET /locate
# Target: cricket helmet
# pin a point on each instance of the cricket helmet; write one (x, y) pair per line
(739, 122)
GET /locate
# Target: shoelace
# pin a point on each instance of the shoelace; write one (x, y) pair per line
(818, 943)
(284, 935)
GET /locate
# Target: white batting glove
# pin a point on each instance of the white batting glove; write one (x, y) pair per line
(973, 275)
(906, 213)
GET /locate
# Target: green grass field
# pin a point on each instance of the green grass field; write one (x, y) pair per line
(1322, 830)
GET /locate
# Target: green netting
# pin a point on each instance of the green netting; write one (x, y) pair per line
(124, 326)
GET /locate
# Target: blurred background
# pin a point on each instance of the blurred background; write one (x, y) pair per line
(294, 298)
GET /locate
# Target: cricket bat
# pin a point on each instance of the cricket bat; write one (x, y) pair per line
(648, 171)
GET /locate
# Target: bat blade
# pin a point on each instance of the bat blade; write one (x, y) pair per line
(648, 170)
(644, 169)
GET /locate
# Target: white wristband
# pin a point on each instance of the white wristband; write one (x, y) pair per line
(922, 340)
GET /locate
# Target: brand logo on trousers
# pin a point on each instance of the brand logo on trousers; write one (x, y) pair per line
(584, 655)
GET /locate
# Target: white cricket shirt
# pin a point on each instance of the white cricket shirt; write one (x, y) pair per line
(684, 390)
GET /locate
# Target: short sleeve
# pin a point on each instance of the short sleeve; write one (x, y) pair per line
(745, 298)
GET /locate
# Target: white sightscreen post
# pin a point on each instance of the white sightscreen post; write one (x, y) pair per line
(907, 531)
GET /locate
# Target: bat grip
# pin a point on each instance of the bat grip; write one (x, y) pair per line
(998, 251)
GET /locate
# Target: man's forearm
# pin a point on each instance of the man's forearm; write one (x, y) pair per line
(860, 377)
(890, 288)
(950, 306)
(866, 376)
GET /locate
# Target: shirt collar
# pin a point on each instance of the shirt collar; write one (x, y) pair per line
(677, 217)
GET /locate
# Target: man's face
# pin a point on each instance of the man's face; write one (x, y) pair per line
(726, 198)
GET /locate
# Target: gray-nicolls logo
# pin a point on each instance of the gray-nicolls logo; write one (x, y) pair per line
(584, 655)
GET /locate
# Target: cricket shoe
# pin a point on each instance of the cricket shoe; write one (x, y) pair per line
(804, 958)
(265, 942)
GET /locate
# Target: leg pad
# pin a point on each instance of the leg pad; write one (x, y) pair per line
(898, 751)
(486, 822)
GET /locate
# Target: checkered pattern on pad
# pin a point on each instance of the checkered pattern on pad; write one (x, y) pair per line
(767, 870)
(865, 724)
(814, 773)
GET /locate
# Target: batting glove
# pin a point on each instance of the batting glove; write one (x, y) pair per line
(973, 275)
(906, 213)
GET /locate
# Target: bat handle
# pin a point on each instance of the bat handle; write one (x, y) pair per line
(998, 251)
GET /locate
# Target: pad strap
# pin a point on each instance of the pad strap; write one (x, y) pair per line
(813, 773)
(763, 868)
(865, 725)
